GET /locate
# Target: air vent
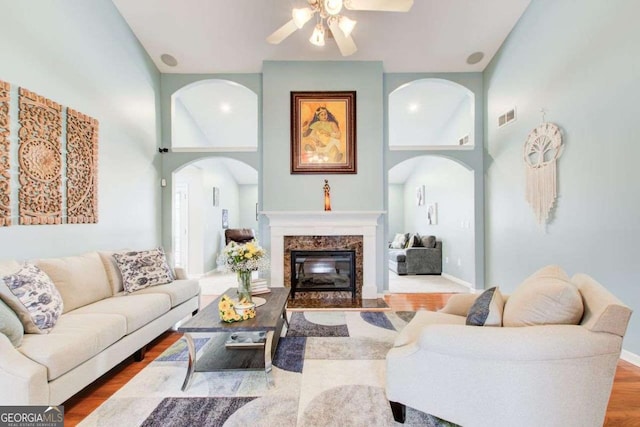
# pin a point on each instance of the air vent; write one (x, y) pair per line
(506, 118)
(464, 140)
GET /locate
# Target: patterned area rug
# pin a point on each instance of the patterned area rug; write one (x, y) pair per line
(328, 371)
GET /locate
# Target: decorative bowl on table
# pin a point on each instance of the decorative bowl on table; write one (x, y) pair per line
(243, 308)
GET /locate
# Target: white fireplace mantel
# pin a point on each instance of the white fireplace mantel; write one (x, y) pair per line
(331, 223)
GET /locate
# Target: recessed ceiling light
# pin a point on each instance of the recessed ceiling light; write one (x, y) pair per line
(225, 108)
(169, 60)
(413, 107)
(475, 57)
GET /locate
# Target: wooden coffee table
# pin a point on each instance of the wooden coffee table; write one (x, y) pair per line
(220, 353)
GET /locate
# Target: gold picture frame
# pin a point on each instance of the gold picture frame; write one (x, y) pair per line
(323, 132)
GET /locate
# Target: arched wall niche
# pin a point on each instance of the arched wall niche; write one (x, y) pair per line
(214, 115)
(207, 195)
(431, 113)
(412, 156)
(445, 209)
(469, 156)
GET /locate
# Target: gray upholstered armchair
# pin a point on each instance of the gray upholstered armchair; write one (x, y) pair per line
(540, 375)
(416, 260)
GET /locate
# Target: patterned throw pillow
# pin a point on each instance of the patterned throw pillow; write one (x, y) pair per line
(399, 241)
(487, 309)
(414, 241)
(33, 297)
(142, 269)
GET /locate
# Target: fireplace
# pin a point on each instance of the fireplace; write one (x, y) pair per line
(326, 271)
(353, 230)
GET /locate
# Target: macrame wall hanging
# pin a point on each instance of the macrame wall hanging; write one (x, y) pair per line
(5, 163)
(541, 151)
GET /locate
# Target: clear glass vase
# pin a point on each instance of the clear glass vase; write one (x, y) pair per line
(244, 285)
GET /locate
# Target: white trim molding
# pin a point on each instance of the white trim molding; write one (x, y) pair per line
(326, 223)
(632, 358)
(461, 282)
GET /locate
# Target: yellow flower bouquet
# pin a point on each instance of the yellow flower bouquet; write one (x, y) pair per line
(243, 258)
(228, 313)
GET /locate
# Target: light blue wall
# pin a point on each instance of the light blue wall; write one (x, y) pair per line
(83, 55)
(248, 195)
(216, 174)
(395, 211)
(459, 125)
(171, 162)
(471, 157)
(286, 192)
(450, 186)
(581, 64)
(363, 191)
(186, 132)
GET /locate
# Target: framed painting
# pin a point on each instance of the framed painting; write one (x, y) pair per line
(323, 132)
(225, 219)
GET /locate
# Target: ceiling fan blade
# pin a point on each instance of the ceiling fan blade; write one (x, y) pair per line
(345, 43)
(282, 33)
(381, 5)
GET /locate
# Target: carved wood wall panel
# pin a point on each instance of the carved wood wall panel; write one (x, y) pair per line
(82, 168)
(40, 160)
(5, 161)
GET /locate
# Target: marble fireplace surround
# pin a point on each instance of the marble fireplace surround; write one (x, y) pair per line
(332, 223)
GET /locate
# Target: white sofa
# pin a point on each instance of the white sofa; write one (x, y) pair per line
(543, 375)
(101, 326)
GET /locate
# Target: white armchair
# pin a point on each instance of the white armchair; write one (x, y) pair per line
(545, 375)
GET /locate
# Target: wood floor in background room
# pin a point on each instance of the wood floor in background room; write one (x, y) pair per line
(623, 410)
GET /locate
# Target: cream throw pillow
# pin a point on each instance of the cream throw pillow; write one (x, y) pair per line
(81, 279)
(547, 297)
(10, 325)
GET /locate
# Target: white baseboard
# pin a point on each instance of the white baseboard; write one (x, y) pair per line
(459, 281)
(632, 358)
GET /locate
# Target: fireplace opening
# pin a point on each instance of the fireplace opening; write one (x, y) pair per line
(323, 270)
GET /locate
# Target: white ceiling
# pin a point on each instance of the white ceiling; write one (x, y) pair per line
(217, 36)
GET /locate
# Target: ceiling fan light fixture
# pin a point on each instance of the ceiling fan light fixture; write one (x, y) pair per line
(346, 25)
(302, 16)
(332, 7)
(317, 38)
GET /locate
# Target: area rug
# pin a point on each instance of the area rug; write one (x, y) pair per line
(329, 370)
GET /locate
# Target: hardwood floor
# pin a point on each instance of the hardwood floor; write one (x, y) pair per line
(623, 410)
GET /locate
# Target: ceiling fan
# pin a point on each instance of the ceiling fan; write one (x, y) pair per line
(340, 26)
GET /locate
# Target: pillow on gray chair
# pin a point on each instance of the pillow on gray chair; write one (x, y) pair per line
(414, 241)
(428, 241)
(400, 241)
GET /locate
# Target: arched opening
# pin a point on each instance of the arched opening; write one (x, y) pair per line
(214, 114)
(208, 196)
(432, 196)
(431, 113)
